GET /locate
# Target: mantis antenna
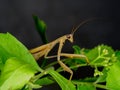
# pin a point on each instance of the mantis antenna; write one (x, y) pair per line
(82, 23)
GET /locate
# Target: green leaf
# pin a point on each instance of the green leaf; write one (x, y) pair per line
(15, 74)
(4, 55)
(41, 28)
(63, 82)
(44, 81)
(117, 54)
(87, 79)
(101, 55)
(113, 78)
(77, 49)
(85, 87)
(11, 47)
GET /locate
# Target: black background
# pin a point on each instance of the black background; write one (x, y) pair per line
(60, 17)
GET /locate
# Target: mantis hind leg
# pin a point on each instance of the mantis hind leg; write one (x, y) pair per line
(68, 55)
(75, 56)
(66, 68)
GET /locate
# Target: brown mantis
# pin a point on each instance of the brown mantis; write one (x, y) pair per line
(45, 49)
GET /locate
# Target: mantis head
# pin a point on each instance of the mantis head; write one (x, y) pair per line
(70, 37)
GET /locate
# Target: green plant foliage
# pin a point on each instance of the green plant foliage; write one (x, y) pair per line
(15, 74)
(41, 28)
(113, 78)
(63, 82)
(13, 70)
(86, 87)
(4, 55)
(101, 55)
(11, 47)
(117, 53)
(44, 81)
(77, 49)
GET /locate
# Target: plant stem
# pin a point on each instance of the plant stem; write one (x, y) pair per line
(51, 64)
(100, 86)
(44, 63)
(38, 76)
(90, 83)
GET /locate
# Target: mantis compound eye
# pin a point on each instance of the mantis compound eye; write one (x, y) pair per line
(68, 36)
